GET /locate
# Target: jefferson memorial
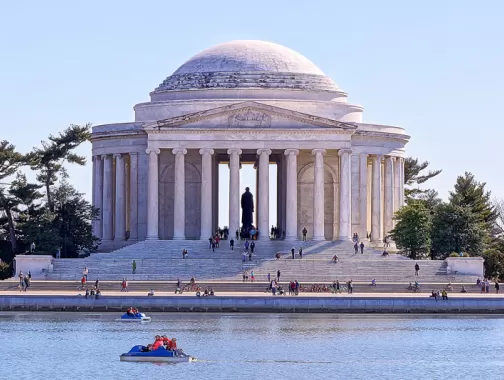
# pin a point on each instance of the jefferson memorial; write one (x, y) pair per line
(240, 102)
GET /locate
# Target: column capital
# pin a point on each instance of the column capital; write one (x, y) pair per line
(291, 152)
(344, 151)
(377, 157)
(318, 151)
(152, 150)
(179, 151)
(206, 151)
(234, 150)
(390, 158)
(97, 157)
(264, 150)
(117, 155)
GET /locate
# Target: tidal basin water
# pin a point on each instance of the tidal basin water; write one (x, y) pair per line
(255, 346)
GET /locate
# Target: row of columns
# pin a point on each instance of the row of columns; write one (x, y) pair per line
(115, 199)
(112, 223)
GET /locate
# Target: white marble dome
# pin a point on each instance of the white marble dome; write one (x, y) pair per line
(248, 64)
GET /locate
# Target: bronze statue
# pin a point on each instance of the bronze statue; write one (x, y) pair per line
(247, 205)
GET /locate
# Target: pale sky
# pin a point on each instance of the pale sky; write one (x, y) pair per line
(433, 67)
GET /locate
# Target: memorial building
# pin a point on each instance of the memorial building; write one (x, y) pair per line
(239, 102)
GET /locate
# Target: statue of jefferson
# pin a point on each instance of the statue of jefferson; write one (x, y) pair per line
(247, 205)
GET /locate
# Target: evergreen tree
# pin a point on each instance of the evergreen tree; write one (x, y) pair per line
(48, 161)
(413, 176)
(10, 162)
(412, 229)
(457, 229)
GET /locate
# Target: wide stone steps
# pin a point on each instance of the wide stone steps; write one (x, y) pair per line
(162, 260)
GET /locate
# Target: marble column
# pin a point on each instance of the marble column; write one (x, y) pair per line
(153, 195)
(107, 199)
(345, 209)
(376, 233)
(263, 222)
(234, 190)
(179, 195)
(206, 193)
(388, 204)
(291, 228)
(355, 194)
(120, 216)
(98, 195)
(363, 194)
(133, 197)
(401, 182)
(318, 195)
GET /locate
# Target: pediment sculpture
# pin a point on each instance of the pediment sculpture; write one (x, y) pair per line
(250, 118)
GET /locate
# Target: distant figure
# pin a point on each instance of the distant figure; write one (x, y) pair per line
(300, 252)
(292, 252)
(231, 244)
(247, 205)
(362, 248)
(417, 269)
(133, 266)
(304, 232)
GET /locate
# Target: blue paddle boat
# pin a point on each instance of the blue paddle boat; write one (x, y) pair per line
(161, 355)
(134, 317)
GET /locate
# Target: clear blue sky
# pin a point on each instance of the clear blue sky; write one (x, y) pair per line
(433, 67)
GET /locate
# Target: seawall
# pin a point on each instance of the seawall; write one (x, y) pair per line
(267, 304)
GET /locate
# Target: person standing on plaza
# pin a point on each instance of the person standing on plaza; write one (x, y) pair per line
(21, 280)
(252, 247)
(85, 272)
(304, 232)
(356, 248)
(231, 244)
(133, 266)
(497, 286)
(278, 275)
(362, 247)
(300, 252)
(269, 277)
(292, 252)
(417, 269)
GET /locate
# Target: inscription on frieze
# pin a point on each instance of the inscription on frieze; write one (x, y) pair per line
(250, 118)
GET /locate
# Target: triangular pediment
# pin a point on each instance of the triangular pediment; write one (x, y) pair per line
(249, 115)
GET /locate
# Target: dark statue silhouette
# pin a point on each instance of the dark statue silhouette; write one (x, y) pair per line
(247, 205)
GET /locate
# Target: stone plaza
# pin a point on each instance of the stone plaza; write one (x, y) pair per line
(241, 102)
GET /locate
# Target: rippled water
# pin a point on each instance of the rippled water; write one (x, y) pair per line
(245, 346)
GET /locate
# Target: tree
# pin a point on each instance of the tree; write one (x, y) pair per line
(412, 230)
(430, 199)
(471, 194)
(17, 203)
(10, 162)
(413, 176)
(457, 229)
(67, 227)
(48, 161)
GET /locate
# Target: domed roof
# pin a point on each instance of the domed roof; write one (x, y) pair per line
(248, 64)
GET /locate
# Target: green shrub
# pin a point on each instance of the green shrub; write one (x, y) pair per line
(5, 271)
(454, 254)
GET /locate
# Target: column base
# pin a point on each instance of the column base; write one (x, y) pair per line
(290, 238)
(152, 238)
(318, 238)
(344, 238)
(377, 241)
(178, 238)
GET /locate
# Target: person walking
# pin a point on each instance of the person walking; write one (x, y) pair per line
(417, 269)
(300, 252)
(133, 266)
(231, 244)
(252, 247)
(356, 248)
(362, 247)
(292, 252)
(278, 275)
(497, 286)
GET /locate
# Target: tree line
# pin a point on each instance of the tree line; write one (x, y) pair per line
(49, 212)
(469, 223)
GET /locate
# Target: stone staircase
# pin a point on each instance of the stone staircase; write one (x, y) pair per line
(162, 260)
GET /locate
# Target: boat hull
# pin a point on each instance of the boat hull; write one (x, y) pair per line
(143, 319)
(157, 359)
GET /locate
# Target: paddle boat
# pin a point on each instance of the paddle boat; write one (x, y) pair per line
(134, 317)
(161, 355)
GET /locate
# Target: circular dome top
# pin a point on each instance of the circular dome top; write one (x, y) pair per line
(248, 64)
(249, 56)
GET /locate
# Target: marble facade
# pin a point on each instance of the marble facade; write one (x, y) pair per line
(246, 101)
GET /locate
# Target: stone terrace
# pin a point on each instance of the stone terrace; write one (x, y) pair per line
(162, 260)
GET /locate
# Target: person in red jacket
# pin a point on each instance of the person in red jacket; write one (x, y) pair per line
(157, 343)
(173, 344)
(166, 341)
